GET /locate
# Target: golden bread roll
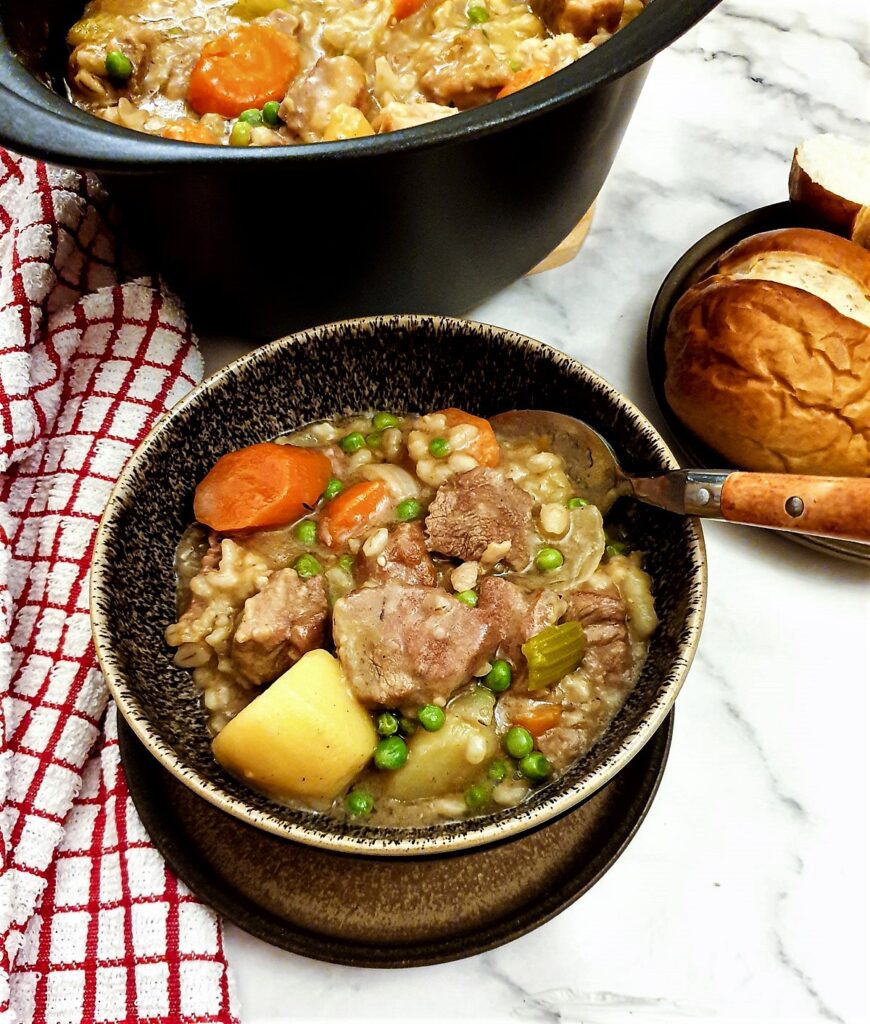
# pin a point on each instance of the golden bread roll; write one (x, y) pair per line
(768, 356)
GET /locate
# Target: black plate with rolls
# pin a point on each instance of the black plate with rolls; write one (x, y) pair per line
(690, 268)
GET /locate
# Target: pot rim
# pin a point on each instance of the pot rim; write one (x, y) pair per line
(389, 845)
(69, 134)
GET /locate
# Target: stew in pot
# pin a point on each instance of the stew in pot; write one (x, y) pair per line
(282, 72)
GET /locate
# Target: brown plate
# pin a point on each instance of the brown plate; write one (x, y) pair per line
(691, 267)
(388, 911)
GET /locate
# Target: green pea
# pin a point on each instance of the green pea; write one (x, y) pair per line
(614, 537)
(407, 726)
(499, 676)
(515, 65)
(252, 116)
(384, 420)
(439, 447)
(352, 442)
(240, 134)
(359, 803)
(535, 767)
(518, 742)
(477, 15)
(270, 113)
(391, 753)
(476, 796)
(498, 771)
(408, 509)
(306, 531)
(548, 559)
(431, 717)
(373, 440)
(388, 724)
(307, 566)
(346, 563)
(576, 503)
(333, 486)
(118, 66)
(468, 597)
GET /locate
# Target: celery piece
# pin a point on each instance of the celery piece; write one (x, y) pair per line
(553, 653)
(250, 9)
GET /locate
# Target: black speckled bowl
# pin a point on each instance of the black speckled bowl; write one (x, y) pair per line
(400, 363)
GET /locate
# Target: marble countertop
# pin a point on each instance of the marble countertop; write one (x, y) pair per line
(743, 896)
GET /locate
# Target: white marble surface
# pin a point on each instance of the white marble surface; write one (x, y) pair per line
(744, 896)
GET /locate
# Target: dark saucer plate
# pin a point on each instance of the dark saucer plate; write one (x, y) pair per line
(388, 911)
(691, 267)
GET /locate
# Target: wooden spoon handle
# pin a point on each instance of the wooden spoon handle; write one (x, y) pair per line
(827, 506)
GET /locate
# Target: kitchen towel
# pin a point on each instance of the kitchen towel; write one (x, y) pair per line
(93, 925)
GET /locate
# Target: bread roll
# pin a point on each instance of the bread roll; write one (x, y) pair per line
(768, 356)
(830, 177)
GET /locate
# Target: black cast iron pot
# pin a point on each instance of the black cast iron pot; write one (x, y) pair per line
(432, 219)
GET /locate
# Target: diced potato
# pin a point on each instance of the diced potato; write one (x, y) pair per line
(476, 704)
(346, 122)
(305, 736)
(445, 761)
(95, 28)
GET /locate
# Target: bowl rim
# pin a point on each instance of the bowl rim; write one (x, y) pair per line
(71, 133)
(389, 845)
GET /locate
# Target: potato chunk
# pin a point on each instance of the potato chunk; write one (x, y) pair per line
(448, 760)
(306, 736)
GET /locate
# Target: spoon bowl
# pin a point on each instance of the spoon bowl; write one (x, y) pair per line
(819, 506)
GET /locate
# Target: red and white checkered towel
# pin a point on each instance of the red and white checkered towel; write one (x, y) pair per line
(93, 925)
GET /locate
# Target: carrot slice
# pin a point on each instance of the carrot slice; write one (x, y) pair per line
(262, 485)
(526, 77)
(189, 131)
(485, 447)
(243, 68)
(540, 719)
(351, 511)
(405, 8)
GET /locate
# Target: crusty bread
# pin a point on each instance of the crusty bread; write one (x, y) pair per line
(830, 176)
(768, 356)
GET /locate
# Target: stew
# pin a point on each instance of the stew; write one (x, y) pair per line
(405, 619)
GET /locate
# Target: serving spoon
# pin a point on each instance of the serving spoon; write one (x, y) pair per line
(824, 506)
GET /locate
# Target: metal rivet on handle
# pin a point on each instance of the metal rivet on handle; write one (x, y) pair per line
(703, 496)
(794, 506)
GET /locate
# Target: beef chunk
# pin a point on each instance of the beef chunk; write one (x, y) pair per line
(401, 644)
(476, 509)
(582, 18)
(313, 96)
(465, 73)
(602, 614)
(516, 615)
(595, 694)
(405, 559)
(211, 558)
(278, 625)
(562, 744)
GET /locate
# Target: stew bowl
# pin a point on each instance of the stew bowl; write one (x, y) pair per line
(433, 219)
(405, 364)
